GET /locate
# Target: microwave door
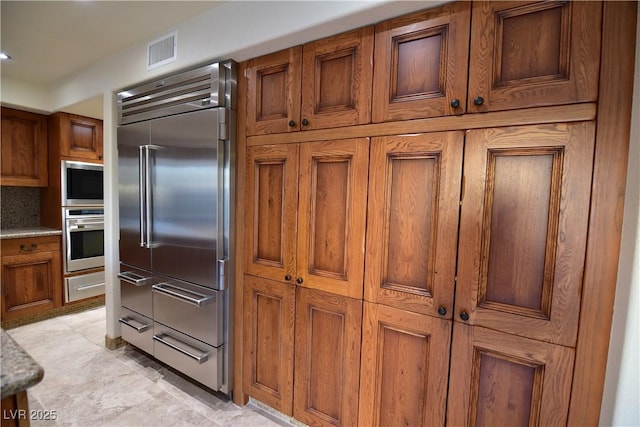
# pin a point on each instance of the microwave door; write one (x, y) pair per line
(185, 186)
(132, 191)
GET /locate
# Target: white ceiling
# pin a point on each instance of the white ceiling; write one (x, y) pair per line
(49, 40)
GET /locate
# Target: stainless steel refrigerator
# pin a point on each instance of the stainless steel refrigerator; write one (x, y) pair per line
(176, 157)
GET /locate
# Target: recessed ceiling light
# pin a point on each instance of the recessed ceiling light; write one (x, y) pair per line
(4, 56)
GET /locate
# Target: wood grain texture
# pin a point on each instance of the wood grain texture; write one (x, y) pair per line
(268, 326)
(414, 194)
(533, 54)
(271, 198)
(421, 64)
(81, 138)
(327, 361)
(564, 243)
(558, 114)
(607, 206)
(24, 149)
(31, 276)
(404, 368)
(332, 215)
(274, 92)
(337, 75)
(536, 372)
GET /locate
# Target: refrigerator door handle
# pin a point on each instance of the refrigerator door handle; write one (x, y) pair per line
(142, 191)
(148, 203)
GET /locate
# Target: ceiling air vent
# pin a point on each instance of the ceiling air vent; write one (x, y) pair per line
(162, 51)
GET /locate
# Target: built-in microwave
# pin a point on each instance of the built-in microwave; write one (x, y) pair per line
(82, 183)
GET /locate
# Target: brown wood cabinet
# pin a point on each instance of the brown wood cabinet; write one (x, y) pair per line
(24, 148)
(492, 239)
(323, 84)
(504, 380)
(515, 55)
(305, 229)
(305, 217)
(268, 345)
(404, 368)
(78, 137)
(412, 221)
(421, 64)
(31, 276)
(534, 53)
(524, 217)
(327, 358)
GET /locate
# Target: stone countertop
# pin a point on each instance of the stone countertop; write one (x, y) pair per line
(18, 371)
(15, 233)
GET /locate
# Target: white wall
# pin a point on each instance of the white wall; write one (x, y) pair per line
(621, 402)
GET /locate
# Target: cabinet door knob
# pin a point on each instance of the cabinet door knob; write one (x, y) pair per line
(455, 103)
(299, 280)
(287, 277)
(292, 123)
(464, 316)
(442, 311)
(305, 122)
(478, 100)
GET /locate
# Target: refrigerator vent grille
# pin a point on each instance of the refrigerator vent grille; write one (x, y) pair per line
(196, 89)
(162, 51)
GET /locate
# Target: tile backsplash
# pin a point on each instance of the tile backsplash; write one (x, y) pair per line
(19, 207)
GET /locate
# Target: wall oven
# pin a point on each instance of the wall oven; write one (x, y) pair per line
(83, 238)
(82, 183)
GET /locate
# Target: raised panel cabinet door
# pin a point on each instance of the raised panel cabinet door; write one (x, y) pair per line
(533, 54)
(503, 380)
(24, 149)
(412, 221)
(273, 92)
(404, 368)
(420, 67)
(269, 312)
(327, 360)
(31, 283)
(332, 215)
(271, 211)
(80, 137)
(523, 229)
(337, 77)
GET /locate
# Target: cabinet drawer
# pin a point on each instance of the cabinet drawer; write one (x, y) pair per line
(194, 310)
(194, 358)
(137, 329)
(29, 245)
(135, 290)
(84, 286)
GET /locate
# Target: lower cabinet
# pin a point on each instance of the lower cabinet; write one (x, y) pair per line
(327, 358)
(499, 379)
(269, 312)
(31, 276)
(302, 351)
(405, 368)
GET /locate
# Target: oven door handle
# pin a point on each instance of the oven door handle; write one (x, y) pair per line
(184, 294)
(86, 226)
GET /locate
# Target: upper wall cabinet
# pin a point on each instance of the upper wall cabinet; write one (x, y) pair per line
(533, 54)
(79, 137)
(516, 55)
(323, 84)
(421, 64)
(24, 149)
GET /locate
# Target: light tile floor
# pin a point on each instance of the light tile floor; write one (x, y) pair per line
(88, 385)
